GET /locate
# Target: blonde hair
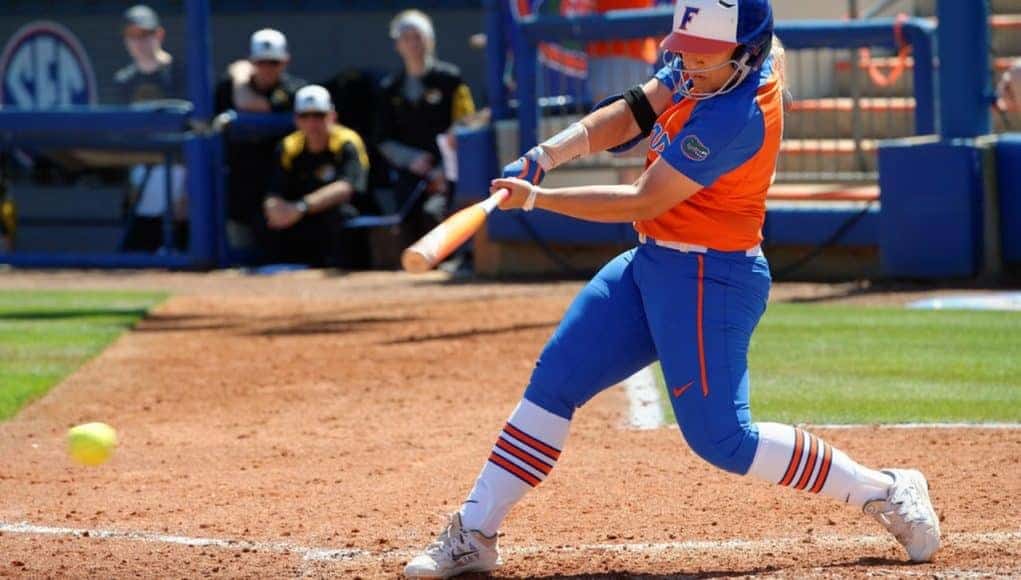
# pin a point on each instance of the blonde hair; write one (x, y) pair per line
(419, 21)
(780, 64)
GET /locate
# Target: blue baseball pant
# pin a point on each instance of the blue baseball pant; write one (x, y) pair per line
(695, 313)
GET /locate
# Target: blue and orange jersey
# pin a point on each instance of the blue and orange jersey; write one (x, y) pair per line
(728, 144)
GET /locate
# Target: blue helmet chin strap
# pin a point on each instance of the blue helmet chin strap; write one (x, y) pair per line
(685, 87)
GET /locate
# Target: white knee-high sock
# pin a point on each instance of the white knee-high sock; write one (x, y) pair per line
(524, 454)
(791, 457)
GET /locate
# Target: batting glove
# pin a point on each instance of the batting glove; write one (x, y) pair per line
(527, 167)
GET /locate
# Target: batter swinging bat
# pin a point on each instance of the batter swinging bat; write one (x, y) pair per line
(439, 243)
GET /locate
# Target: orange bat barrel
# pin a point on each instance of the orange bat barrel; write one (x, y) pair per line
(439, 243)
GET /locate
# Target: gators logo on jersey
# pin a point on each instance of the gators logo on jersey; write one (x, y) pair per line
(694, 149)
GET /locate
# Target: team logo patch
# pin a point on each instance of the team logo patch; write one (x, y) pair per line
(433, 96)
(43, 67)
(694, 149)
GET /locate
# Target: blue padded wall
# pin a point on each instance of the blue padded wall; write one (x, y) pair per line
(1008, 169)
(931, 222)
(557, 229)
(476, 163)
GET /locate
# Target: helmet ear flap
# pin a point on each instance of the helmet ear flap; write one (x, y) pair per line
(755, 51)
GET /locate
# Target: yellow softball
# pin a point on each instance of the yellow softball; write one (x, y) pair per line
(91, 443)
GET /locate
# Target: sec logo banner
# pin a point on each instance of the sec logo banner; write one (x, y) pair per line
(44, 66)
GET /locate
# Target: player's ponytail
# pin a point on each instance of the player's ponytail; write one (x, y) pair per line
(779, 55)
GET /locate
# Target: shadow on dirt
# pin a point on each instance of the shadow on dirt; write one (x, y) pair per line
(472, 332)
(295, 325)
(330, 326)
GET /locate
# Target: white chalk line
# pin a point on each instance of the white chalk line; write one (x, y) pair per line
(644, 401)
(156, 538)
(976, 426)
(353, 555)
(645, 411)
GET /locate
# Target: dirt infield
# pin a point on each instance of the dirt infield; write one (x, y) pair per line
(320, 427)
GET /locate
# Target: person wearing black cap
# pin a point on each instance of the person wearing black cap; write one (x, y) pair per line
(259, 84)
(153, 74)
(321, 171)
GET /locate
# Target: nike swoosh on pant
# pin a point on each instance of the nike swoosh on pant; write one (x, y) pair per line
(678, 391)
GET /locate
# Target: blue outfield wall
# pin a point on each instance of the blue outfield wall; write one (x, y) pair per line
(932, 194)
(1008, 166)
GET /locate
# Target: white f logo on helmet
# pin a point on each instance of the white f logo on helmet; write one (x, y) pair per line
(703, 26)
(744, 27)
(689, 13)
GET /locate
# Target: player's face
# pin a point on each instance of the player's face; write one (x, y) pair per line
(142, 44)
(708, 72)
(314, 124)
(267, 72)
(410, 44)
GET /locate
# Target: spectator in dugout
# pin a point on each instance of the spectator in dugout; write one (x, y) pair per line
(418, 105)
(1008, 90)
(320, 173)
(153, 76)
(259, 84)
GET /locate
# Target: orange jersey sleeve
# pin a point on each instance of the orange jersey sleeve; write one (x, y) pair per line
(729, 144)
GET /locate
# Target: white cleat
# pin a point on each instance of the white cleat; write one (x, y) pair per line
(455, 551)
(908, 514)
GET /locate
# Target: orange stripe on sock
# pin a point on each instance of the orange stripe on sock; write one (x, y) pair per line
(538, 465)
(813, 452)
(532, 442)
(514, 469)
(701, 343)
(824, 471)
(792, 467)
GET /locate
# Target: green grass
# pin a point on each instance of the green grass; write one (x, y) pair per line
(837, 364)
(46, 335)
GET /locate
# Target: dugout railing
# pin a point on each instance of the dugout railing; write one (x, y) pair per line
(119, 136)
(157, 134)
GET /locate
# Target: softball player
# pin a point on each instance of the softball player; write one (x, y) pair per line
(689, 295)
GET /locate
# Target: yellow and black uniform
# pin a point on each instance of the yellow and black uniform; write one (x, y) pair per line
(413, 111)
(315, 239)
(250, 158)
(415, 116)
(8, 218)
